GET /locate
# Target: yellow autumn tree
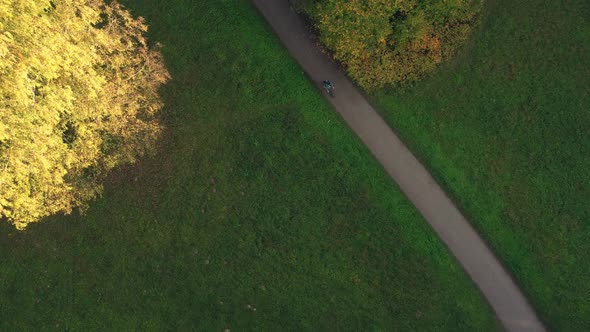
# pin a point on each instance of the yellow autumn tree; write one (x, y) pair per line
(78, 96)
(383, 42)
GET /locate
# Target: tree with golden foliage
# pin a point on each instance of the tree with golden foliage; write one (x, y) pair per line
(390, 41)
(78, 96)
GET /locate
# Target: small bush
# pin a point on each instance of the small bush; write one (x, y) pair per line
(385, 42)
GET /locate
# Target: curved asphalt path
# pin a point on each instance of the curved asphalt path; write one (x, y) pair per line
(453, 229)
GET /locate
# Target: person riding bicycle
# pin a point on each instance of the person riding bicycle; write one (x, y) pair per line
(328, 85)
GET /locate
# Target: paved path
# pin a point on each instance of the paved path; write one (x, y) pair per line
(454, 230)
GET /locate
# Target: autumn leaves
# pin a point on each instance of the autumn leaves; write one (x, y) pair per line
(78, 87)
(384, 42)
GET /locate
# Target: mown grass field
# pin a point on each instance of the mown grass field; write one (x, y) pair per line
(505, 128)
(261, 211)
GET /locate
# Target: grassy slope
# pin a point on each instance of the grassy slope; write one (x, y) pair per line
(259, 196)
(505, 129)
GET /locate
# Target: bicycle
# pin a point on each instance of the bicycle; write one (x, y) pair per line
(329, 87)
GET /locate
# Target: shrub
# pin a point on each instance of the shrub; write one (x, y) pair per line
(387, 42)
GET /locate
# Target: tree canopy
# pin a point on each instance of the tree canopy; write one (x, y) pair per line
(390, 41)
(78, 96)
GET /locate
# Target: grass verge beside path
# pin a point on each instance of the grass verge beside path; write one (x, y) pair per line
(506, 130)
(262, 211)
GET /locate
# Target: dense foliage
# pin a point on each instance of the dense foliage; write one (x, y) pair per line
(78, 96)
(385, 42)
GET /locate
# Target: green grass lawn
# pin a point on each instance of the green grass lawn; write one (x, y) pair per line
(506, 129)
(260, 196)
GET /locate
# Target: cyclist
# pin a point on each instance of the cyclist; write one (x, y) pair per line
(328, 86)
